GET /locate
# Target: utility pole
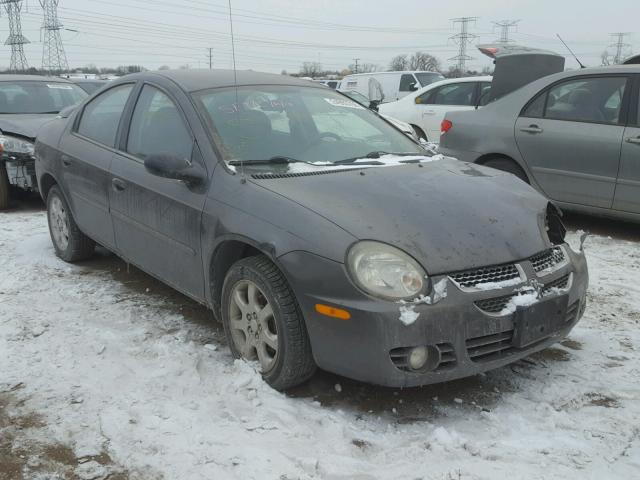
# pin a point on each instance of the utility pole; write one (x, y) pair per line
(620, 46)
(505, 29)
(462, 39)
(54, 58)
(15, 39)
(210, 58)
(356, 67)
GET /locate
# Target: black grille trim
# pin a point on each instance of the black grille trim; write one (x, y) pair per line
(547, 259)
(499, 273)
(490, 347)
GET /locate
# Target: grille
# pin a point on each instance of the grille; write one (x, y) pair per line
(473, 278)
(490, 347)
(561, 283)
(572, 311)
(547, 259)
(494, 305)
(400, 357)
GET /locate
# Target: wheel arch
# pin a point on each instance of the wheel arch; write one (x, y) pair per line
(227, 251)
(483, 159)
(46, 182)
(419, 130)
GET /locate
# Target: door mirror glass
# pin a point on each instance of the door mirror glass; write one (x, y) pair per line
(174, 167)
(413, 87)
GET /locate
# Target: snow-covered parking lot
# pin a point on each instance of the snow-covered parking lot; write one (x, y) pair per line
(106, 373)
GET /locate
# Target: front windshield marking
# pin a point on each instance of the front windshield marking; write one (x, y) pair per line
(306, 124)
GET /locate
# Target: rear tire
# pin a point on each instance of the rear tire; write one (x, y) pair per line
(260, 312)
(506, 165)
(4, 187)
(70, 244)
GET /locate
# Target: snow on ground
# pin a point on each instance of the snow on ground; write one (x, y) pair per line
(100, 378)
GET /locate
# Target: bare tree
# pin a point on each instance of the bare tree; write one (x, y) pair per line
(311, 69)
(399, 63)
(424, 61)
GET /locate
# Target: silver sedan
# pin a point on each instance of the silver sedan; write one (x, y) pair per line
(575, 136)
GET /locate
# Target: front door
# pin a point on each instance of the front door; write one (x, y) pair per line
(570, 138)
(87, 159)
(157, 220)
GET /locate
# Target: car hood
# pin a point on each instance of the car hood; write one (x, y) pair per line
(448, 215)
(26, 125)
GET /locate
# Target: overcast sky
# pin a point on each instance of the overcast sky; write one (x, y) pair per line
(272, 35)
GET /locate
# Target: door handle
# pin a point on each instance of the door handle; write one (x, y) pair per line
(532, 129)
(66, 161)
(118, 185)
(635, 140)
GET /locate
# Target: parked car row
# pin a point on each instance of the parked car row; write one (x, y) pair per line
(319, 234)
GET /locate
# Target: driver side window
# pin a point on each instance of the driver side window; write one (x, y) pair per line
(157, 127)
(406, 80)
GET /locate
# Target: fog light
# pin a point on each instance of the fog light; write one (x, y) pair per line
(418, 357)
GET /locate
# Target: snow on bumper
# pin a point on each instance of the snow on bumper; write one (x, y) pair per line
(466, 331)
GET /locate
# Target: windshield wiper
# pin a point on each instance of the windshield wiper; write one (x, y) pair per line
(275, 160)
(374, 154)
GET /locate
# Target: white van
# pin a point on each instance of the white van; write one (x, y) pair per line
(395, 85)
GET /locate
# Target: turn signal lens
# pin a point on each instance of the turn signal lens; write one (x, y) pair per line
(332, 311)
(445, 126)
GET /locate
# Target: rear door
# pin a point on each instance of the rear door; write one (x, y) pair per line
(157, 220)
(88, 151)
(570, 137)
(627, 197)
(434, 104)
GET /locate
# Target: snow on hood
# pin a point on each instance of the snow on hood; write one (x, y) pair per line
(448, 215)
(24, 125)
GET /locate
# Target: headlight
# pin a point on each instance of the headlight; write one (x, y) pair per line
(13, 145)
(385, 271)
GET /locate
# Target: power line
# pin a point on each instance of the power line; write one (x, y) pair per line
(620, 46)
(15, 39)
(462, 39)
(505, 27)
(54, 58)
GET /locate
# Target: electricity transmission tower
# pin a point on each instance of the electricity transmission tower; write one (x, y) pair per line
(462, 39)
(505, 27)
(15, 39)
(53, 57)
(620, 46)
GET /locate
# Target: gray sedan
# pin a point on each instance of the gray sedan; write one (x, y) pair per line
(316, 232)
(575, 136)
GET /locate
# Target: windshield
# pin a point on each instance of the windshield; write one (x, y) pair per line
(428, 78)
(38, 96)
(302, 123)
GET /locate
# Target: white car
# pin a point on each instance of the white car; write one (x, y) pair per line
(393, 85)
(425, 109)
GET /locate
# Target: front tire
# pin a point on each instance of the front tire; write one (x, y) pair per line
(70, 244)
(4, 187)
(262, 321)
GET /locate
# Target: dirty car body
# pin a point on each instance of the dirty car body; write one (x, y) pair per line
(403, 269)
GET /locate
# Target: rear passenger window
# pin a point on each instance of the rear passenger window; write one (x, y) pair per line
(455, 94)
(405, 83)
(157, 127)
(536, 108)
(101, 116)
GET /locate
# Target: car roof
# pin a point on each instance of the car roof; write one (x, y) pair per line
(31, 78)
(192, 80)
(395, 72)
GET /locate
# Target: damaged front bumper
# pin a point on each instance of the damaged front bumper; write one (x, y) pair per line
(469, 330)
(21, 171)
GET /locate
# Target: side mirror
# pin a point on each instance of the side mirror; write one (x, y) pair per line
(413, 87)
(177, 168)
